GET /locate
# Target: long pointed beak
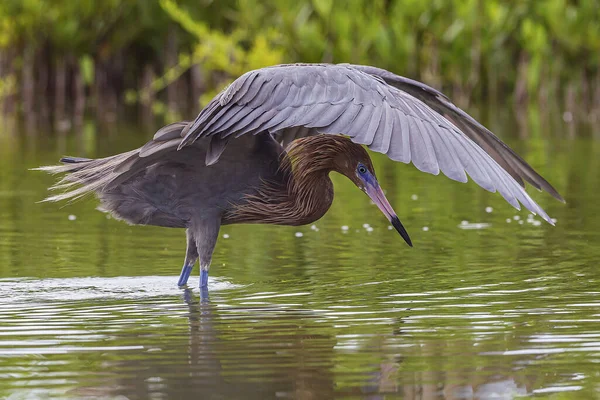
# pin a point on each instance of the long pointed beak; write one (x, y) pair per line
(373, 190)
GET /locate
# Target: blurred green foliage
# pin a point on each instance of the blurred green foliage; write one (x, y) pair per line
(472, 48)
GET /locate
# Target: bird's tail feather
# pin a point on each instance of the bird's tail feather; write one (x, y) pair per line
(83, 175)
(74, 160)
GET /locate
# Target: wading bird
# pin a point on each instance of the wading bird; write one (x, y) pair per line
(261, 152)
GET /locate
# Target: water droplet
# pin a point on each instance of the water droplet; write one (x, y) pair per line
(516, 218)
(521, 222)
(366, 226)
(344, 227)
(299, 234)
(508, 220)
(425, 228)
(489, 209)
(314, 228)
(225, 236)
(390, 227)
(414, 197)
(568, 116)
(72, 217)
(536, 223)
(553, 220)
(369, 229)
(464, 222)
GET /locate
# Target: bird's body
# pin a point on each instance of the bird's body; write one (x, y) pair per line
(262, 151)
(179, 187)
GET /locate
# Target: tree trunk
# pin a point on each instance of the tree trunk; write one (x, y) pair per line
(60, 92)
(28, 83)
(475, 72)
(9, 101)
(3, 76)
(544, 88)
(584, 96)
(492, 84)
(43, 69)
(147, 94)
(97, 89)
(115, 72)
(170, 62)
(570, 104)
(197, 85)
(106, 99)
(520, 93)
(78, 94)
(596, 101)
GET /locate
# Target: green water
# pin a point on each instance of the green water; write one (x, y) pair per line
(89, 306)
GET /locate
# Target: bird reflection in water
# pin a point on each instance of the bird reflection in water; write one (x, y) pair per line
(271, 351)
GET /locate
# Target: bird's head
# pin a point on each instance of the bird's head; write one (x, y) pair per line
(324, 153)
(354, 162)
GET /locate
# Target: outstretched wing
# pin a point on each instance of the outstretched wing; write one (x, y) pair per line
(498, 150)
(406, 120)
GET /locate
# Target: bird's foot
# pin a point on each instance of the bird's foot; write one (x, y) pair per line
(185, 275)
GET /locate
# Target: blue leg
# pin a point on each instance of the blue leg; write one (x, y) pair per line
(204, 295)
(185, 275)
(191, 255)
(203, 278)
(206, 231)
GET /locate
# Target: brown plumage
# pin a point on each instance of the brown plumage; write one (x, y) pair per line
(303, 193)
(262, 150)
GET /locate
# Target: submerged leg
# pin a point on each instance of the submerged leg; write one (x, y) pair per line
(206, 234)
(191, 256)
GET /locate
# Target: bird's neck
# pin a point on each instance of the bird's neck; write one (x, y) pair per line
(309, 195)
(301, 195)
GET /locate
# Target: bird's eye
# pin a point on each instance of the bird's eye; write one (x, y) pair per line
(362, 169)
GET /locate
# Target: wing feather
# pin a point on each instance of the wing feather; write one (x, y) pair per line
(171, 131)
(238, 92)
(331, 112)
(383, 135)
(400, 144)
(153, 147)
(226, 122)
(429, 162)
(230, 114)
(408, 121)
(292, 116)
(291, 98)
(448, 159)
(472, 163)
(287, 136)
(492, 145)
(362, 118)
(368, 133)
(345, 120)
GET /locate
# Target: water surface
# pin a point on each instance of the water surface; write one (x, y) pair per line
(490, 303)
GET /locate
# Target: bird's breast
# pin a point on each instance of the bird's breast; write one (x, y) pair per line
(284, 203)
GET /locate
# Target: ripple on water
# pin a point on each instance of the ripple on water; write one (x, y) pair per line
(76, 289)
(143, 329)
